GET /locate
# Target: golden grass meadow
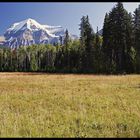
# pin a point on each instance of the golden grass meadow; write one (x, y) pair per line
(56, 105)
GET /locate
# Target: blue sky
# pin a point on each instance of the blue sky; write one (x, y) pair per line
(65, 14)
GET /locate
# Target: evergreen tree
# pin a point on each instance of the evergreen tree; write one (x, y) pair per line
(98, 54)
(137, 37)
(129, 52)
(61, 40)
(66, 52)
(86, 40)
(106, 48)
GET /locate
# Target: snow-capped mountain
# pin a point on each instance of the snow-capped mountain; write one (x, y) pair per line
(29, 31)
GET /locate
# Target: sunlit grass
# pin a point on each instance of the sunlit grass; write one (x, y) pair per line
(53, 105)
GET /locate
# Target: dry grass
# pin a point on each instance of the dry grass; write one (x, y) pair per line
(53, 105)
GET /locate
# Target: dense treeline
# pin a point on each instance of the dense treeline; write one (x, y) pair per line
(116, 51)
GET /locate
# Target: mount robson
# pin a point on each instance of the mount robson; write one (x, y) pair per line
(29, 31)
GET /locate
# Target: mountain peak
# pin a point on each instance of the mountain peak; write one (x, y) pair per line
(29, 23)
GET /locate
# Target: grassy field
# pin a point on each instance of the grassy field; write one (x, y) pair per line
(51, 105)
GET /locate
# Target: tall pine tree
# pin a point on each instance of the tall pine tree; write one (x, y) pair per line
(86, 40)
(137, 37)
